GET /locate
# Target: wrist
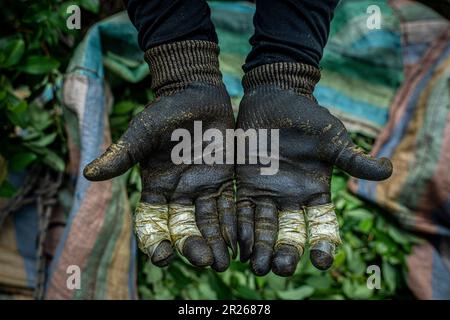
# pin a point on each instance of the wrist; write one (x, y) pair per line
(298, 77)
(175, 65)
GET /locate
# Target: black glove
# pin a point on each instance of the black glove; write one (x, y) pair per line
(274, 211)
(190, 206)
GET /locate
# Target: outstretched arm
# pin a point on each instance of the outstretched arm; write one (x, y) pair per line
(186, 206)
(278, 215)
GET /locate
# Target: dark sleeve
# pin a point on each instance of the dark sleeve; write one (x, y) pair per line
(166, 21)
(290, 31)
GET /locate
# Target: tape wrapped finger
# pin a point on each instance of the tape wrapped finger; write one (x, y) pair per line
(323, 234)
(290, 243)
(182, 224)
(323, 224)
(186, 236)
(291, 229)
(151, 226)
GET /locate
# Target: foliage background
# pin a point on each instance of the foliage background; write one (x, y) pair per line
(35, 47)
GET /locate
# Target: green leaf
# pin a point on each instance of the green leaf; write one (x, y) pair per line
(135, 178)
(246, 293)
(381, 248)
(275, 282)
(120, 121)
(44, 141)
(355, 263)
(176, 271)
(238, 266)
(53, 160)
(134, 199)
(39, 65)
(145, 293)
(296, 294)
(222, 290)
(21, 160)
(397, 235)
(90, 5)
(150, 95)
(17, 119)
(154, 274)
(359, 214)
(322, 281)
(138, 109)
(40, 118)
(12, 49)
(339, 259)
(353, 240)
(365, 225)
(29, 134)
(260, 282)
(340, 204)
(347, 287)
(384, 244)
(355, 290)
(16, 105)
(161, 292)
(352, 201)
(338, 182)
(389, 276)
(394, 260)
(205, 292)
(124, 107)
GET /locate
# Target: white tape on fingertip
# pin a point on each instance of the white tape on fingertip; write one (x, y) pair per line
(150, 226)
(291, 229)
(322, 224)
(182, 224)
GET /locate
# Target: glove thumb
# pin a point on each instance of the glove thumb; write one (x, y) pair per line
(357, 163)
(115, 161)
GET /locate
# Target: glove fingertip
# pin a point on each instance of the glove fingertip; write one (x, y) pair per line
(285, 261)
(374, 169)
(321, 255)
(91, 171)
(197, 251)
(385, 168)
(260, 261)
(363, 166)
(163, 254)
(114, 162)
(95, 171)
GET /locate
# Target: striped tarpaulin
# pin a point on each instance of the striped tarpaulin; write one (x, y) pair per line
(390, 83)
(417, 139)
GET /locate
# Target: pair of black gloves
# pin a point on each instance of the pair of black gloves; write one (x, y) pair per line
(195, 207)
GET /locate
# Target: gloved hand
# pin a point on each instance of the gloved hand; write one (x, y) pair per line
(278, 213)
(190, 206)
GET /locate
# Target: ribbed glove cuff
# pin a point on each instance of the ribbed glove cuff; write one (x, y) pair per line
(175, 65)
(299, 77)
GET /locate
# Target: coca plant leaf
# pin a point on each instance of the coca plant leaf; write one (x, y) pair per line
(11, 51)
(54, 161)
(300, 293)
(43, 141)
(90, 5)
(39, 65)
(20, 161)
